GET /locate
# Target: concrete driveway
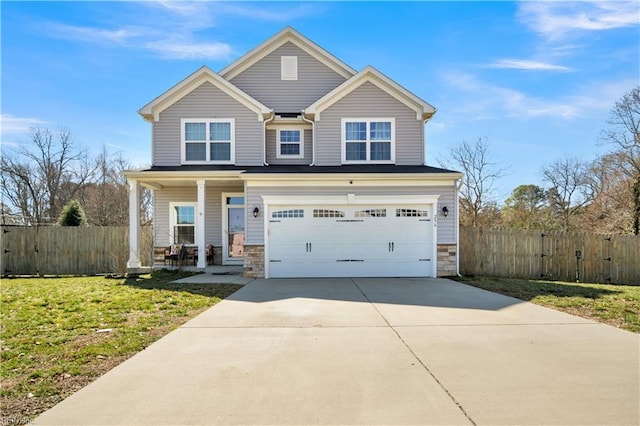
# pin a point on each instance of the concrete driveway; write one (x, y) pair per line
(371, 351)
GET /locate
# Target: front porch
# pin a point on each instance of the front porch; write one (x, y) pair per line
(199, 211)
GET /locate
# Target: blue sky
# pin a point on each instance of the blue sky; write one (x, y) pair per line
(538, 79)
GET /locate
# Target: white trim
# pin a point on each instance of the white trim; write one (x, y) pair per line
(423, 109)
(134, 225)
(226, 260)
(368, 121)
(302, 181)
(151, 111)
(173, 223)
(349, 199)
(200, 223)
(207, 141)
(284, 36)
(279, 129)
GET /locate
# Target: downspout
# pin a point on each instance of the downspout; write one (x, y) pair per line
(264, 139)
(458, 186)
(313, 139)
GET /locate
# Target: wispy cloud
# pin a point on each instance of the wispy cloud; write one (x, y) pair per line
(93, 35)
(177, 45)
(554, 20)
(482, 100)
(526, 64)
(187, 21)
(190, 50)
(276, 12)
(12, 125)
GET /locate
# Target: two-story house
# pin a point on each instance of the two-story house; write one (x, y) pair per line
(293, 164)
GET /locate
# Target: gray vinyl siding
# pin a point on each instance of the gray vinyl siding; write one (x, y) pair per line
(368, 101)
(446, 226)
(262, 80)
(213, 211)
(207, 101)
(272, 147)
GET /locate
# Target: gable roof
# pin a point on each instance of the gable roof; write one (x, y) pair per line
(423, 109)
(288, 34)
(152, 110)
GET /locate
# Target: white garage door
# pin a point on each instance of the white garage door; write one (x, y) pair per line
(350, 241)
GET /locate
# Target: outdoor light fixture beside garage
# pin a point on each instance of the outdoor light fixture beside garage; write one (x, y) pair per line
(445, 211)
(256, 212)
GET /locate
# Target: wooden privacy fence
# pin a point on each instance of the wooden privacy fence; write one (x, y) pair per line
(564, 256)
(69, 250)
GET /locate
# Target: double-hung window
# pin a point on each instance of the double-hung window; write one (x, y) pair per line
(208, 141)
(183, 223)
(290, 143)
(368, 140)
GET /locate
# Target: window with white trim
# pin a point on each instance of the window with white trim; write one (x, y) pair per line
(290, 143)
(368, 140)
(183, 223)
(208, 140)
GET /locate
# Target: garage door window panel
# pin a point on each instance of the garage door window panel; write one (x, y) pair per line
(371, 213)
(411, 213)
(294, 213)
(327, 213)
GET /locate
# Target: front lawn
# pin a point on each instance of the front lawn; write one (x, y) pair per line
(59, 334)
(617, 305)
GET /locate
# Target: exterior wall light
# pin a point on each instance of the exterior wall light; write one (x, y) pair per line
(256, 212)
(445, 211)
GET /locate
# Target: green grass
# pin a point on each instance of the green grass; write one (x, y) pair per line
(617, 305)
(49, 340)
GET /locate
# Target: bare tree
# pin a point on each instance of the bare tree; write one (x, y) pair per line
(570, 183)
(624, 133)
(41, 178)
(611, 208)
(480, 173)
(106, 198)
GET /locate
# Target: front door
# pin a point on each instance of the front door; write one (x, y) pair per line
(233, 228)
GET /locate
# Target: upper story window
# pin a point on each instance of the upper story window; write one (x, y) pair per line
(290, 143)
(288, 67)
(208, 140)
(368, 140)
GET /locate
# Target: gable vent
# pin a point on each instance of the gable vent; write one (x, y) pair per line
(289, 67)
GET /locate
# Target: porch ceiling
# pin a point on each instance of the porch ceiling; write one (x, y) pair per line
(171, 183)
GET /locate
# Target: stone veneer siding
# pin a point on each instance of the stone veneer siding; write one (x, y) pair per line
(447, 255)
(254, 261)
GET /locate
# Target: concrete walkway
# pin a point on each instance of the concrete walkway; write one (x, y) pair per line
(371, 351)
(217, 275)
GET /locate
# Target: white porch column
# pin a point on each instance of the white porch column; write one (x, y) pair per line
(134, 225)
(202, 257)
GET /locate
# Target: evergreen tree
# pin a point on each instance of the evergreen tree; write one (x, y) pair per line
(72, 215)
